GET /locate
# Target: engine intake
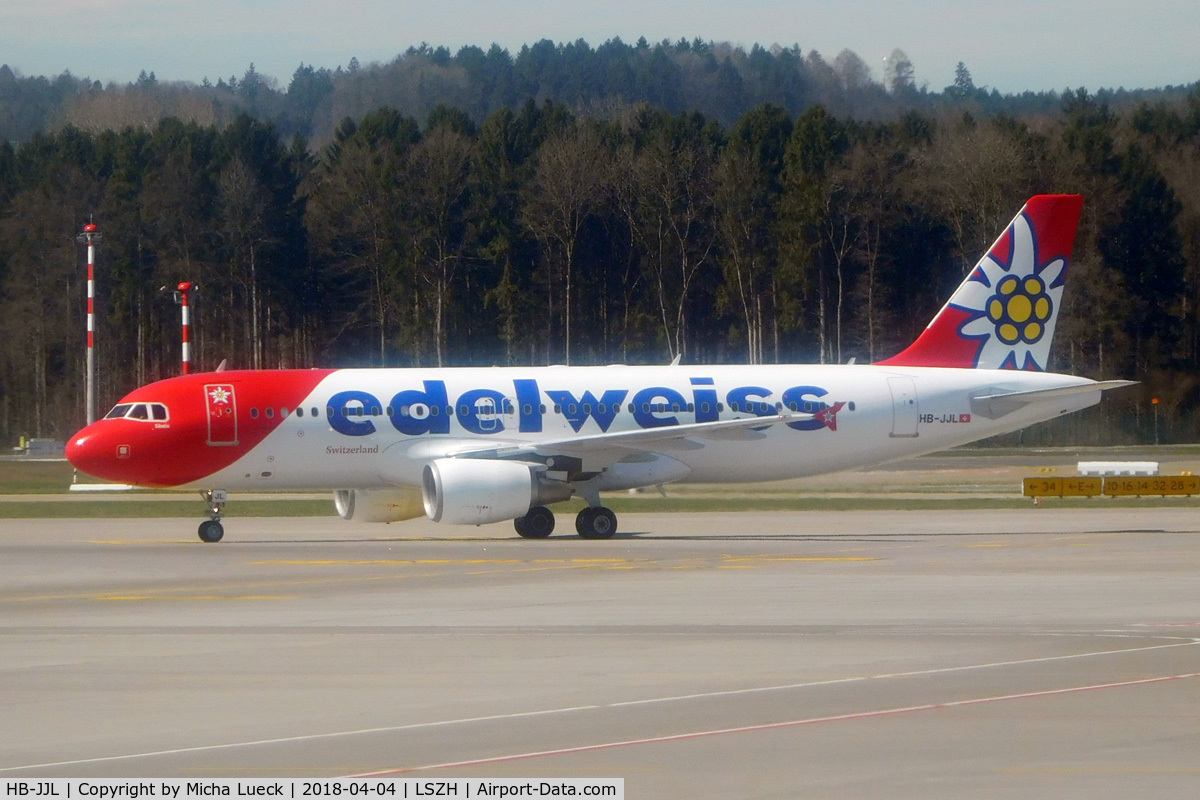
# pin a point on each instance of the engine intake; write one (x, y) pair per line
(466, 491)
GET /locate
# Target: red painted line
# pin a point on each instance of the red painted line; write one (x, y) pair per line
(681, 737)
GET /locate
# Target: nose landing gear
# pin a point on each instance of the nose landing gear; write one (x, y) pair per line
(211, 529)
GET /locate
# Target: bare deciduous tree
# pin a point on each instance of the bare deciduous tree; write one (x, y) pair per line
(569, 183)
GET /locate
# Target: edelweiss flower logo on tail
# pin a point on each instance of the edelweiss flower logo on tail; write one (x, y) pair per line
(1003, 315)
(1012, 299)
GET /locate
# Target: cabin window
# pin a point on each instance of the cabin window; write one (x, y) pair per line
(254, 413)
(118, 411)
(270, 413)
(300, 412)
(159, 412)
(850, 405)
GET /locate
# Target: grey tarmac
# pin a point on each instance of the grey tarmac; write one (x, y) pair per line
(1017, 653)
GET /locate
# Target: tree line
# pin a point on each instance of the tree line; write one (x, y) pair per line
(717, 79)
(544, 235)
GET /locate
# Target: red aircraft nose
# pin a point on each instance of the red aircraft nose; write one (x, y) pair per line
(96, 452)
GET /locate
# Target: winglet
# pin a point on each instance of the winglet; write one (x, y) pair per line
(1004, 314)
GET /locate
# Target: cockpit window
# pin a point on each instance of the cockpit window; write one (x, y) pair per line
(156, 412)
(118, 411)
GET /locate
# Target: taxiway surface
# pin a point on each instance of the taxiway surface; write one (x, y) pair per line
(850, 654)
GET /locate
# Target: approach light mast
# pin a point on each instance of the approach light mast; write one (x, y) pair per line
(91, 235)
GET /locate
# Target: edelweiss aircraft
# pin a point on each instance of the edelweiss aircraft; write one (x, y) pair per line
(472, 446)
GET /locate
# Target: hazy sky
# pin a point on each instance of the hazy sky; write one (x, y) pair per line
(1014, 45)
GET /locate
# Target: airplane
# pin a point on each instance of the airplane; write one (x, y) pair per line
(472, 446)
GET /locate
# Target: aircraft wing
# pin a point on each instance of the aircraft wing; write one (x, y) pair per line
(619, 443)
(994, 406)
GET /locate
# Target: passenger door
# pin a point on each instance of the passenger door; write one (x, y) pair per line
(221, 404)
(905, 411)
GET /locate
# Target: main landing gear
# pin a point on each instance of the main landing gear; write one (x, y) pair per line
(593, 522)
(596, 522)
(538, 523)
(211, 529)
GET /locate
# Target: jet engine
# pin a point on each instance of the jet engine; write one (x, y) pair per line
(466, 491)
(378, 505)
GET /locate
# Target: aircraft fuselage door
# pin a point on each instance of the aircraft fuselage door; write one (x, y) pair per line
(221, 405)
(487, 414)
(905, 410)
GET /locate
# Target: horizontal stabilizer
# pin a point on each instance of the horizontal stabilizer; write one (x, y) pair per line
(994, 406)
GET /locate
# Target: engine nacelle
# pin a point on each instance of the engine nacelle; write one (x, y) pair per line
(467, 491)
(378, 505)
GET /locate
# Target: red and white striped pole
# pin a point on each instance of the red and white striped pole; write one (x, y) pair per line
(184, 289)
(91, 235)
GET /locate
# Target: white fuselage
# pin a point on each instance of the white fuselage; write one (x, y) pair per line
(383, 430)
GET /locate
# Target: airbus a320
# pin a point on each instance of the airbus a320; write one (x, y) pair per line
(482, 445)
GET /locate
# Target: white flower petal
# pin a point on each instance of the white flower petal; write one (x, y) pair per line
(993, 269)
(1052, 272)
(980, 326)
(1023, 262)
(994, 353)
(971, 295)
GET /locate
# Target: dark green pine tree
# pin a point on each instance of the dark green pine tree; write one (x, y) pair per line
(1143, 246)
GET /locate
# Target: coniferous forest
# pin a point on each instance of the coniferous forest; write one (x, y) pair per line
(628, 203)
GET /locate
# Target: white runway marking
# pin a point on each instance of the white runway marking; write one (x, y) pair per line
(681, 737)
(705, 695)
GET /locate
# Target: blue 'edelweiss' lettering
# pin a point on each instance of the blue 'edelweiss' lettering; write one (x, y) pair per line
(648, 404)
(740, 399)
(796, 398)
(417, 412)
(576, 412)
(413, 412)
(345, 406)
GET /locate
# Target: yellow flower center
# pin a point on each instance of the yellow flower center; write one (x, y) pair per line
(1020, 309)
